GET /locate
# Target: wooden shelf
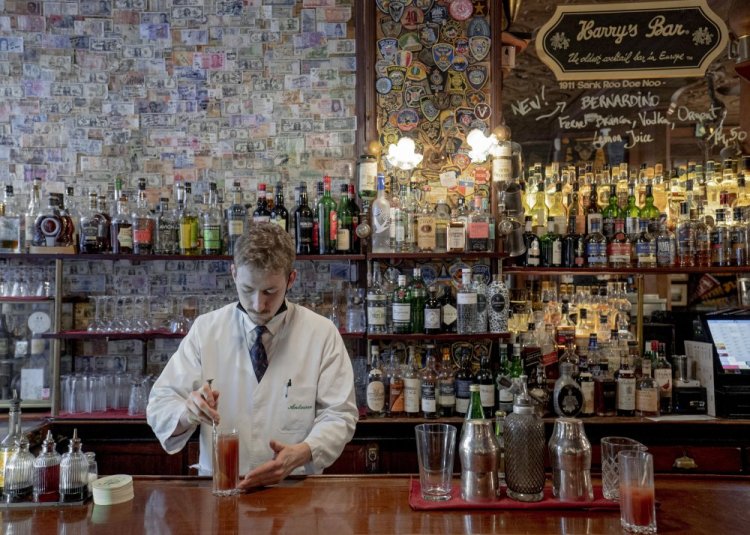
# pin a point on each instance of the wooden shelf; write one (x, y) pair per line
(625, 271)
(428, 256)
(437, 337)
(85, 335)
(26, 299)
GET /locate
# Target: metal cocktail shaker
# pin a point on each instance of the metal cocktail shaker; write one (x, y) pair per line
(524, 449)
(570, 455)
(479, 452)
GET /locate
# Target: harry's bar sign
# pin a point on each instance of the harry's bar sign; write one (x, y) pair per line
(633, 40)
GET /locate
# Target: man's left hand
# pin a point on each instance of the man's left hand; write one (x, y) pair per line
(286, 458)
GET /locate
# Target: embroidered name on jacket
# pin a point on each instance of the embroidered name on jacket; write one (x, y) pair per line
(295, 407)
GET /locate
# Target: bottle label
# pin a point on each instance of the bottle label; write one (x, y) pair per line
(557, 253)
(50, 228)
(479, 231)
(645, 251)
(143, 235)
(447, 394)
(429, 400)
(502, 169)
(632, 225)
(396, 398)
(392, 216)
(125, 237)
(212, 238)
(376, 396)
(376, 315)
(626, 393)
(343, 239)
(619, 252)
(235, 227)
(261, 218)
(456, 238)
(333, 222)
(280, 221)
(401, 312)
(647, 400)
(186, 238)
(450, 314)
(432, 318)
(596, 253)
(368, 171)
(663, 377)
(487, 395)
(498, 303)
(426, 238)
(466, 298)
(481, 303)
(587, 389)
(411, 395)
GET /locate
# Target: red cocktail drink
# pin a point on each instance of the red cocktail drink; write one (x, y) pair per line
(226, 462)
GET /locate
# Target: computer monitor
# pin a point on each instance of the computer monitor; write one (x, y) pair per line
(729, 332)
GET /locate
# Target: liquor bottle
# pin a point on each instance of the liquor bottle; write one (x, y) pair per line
(397, 227)
(593, 215)
(376, 303)
(32, 212)
(702, 235)
(426, 229)
(48, 227)
(327, 220)
(316, 221)
(367, 171)
(551, 247)
(586, 383)
(381, 219)
(480, 288)
(649, 212)
(432, 312)
(446, 386)
(666, 246)
(279, 213)
(236, 219)
(212, 224)
(632, 215)
(596, 245)
(429, 384)
(410, 211)
(645, 247)
(619, 247)
(456, 242)
(303, 223)
(261, 214)
(11, 224)
(504, 394)
(74, 472)
(448, 311)
(663, 377)
(478, 229)
(192, 219)
(533, 254)
(401, 304)
(719, 240)
(187, 222)
(144, 224)
(89, 228)
(344, 232)
(47, 472)
(712, 188)
(646, 396)
(122, 228)
(573, 247)
(466, 308)
(626, 387)
(356, 217)
(412, 386)
(486, 382)
(610, 214)
(395, 387)
(738, 239)
(375, 385)
(539, 211)
(442, 215)
(8, 445)
(105, 224)
(497, 304)
(418, 292)
(567, 398)
(475, 411)
(556, 208)
(464, 380)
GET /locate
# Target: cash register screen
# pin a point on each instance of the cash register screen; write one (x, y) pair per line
(731, 338)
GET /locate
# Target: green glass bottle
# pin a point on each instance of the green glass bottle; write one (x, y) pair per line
(475, 411)
(327, 220)
(344, 234)
(649, 212)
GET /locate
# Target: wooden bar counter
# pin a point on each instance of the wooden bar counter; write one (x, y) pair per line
(339, 505)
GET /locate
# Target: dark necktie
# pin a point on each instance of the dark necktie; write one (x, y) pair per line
(258, 353)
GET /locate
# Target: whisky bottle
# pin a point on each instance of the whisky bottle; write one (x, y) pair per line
(122, 228)
(446, 386)
(303, 223)
(486, 382)
(89, 228)
(395, 387)
(236, 219)
(401, 304)
(375, 385)
(412, 386)
(279, 213)
(11, 224)
(211, 223)
(464, 380)
(442, 222)
(143, 223)
(167, 229)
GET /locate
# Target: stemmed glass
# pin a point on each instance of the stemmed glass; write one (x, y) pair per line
(97, 325)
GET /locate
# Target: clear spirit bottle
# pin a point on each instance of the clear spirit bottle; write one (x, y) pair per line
(32, 212)
(11, 224)
(377, 314)
(466, 308)
(429, 384)
(497, 304)
(401, 304)
(478, 229)
(666, 245)
(19, 474)
(122, 228)
(480, 287)
(89, 228)
(381, 219)
(442, 222)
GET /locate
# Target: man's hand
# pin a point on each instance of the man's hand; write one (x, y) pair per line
(286, 458)
(201, 407)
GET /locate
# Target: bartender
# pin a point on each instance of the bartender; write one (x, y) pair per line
(280, 373)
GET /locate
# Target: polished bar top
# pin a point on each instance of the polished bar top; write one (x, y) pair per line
(338, 505)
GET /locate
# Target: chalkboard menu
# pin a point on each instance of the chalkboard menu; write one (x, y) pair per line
(631, 40)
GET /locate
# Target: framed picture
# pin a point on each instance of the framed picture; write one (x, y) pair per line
(678, 293)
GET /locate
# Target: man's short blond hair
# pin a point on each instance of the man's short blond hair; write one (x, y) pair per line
(265, 246)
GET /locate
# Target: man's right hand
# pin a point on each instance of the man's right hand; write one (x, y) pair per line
(201, 406)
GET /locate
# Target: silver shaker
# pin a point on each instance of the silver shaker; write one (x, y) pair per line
(479, 452)
(570, 455)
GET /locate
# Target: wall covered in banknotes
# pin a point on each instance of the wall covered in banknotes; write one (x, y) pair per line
(170, 90)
